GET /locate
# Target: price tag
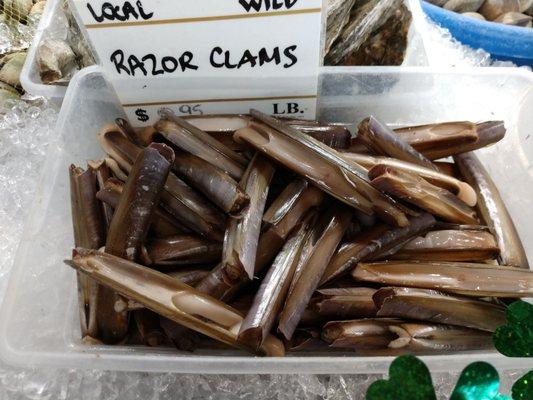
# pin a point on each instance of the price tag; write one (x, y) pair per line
(208, 56)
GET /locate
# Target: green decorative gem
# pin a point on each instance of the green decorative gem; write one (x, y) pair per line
(516, 338)
(409, 379)
(478, 381)
(523, 388)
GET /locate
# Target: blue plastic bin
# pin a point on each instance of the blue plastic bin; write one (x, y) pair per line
(503, 42)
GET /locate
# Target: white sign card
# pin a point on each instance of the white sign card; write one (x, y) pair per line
(208, 56)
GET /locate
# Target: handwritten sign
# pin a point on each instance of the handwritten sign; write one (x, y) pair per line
(208, 56)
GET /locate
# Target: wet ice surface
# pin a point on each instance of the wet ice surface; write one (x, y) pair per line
(25, 131)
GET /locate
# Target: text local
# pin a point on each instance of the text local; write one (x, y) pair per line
(127, 10)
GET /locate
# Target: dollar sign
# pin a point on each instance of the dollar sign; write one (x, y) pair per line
(141, 115)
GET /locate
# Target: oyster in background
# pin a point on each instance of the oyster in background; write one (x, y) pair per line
(56, 61)
(509, 12)
(367, 32)
(59, 59)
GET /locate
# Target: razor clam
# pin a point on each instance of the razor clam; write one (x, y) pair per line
(450, 245)
(325, 236)
(306, 339)
(469, 279)
(147, 323)
(372, 243)
(354, 174)
(222, 128)
(140, 196)
(163, 224)
(381, 140)
(178, 199)
(214, 183)
(242, 234)
(269, 298)
(416, 190)
(210, 180)
(289, 207)
(433, 306)
(167, 297)
(190, 277)
(493, 211)
(199, 143)
(394, 337)
(102, 174)
(461, 189)
(345, 303)
(437, 141)
(129, 131)
(182, 250)
(89, 231)
(115, 169)
(281, 221)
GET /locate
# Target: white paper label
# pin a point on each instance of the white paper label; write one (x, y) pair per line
(208, 56)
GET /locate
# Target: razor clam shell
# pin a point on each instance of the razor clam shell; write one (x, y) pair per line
(202, 145)
(147, 323)
(163, 225)
(450, 245)
(290, 206)
(469, 279)
(133, 215)
(371, 244)
(461, 189)
(345, 303)
(433, 306)
(416, 190)
(381, 140)
(167, 297)
(333, 180)
(352, 172)
(443, 140)
(269, 299)
(493, 211)
(214, 183)
(189, 276)
(89, 231)
(306, 339)
(326, 236)
(394, 337)
(182, 250)
(242, 234)
(178, 199)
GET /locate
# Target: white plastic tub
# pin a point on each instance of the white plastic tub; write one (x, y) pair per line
(53, 24)
(38, 320)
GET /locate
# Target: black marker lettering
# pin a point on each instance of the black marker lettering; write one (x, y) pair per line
(186, 61)
(264, 58)
(108, 11)
(117, 58)
(247, 58)
(215, 51)
(134, 64)
(144, 15)
(169, 60)
(98, 18)
(128, 10)
(152, 58)
(289, 53)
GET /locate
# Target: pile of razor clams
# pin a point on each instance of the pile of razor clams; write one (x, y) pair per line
(276, 235)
